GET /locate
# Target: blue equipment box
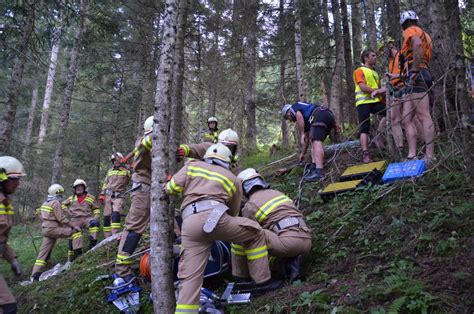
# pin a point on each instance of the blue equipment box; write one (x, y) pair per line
(403, 170)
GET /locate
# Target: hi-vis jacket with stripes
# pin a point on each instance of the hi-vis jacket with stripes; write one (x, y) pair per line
(52, 214)
(116, 180)
(142, 160)
(269, 207)
(6, 223)
(198, 181)
(87, 208)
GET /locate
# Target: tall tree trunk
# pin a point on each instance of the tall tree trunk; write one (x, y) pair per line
(251, 135)
(356, 21)
(348, 68)
(285, 141)
(176, 129)
(161, 218)
(48, 91)
(370, 25)
(327, 51)
(67, 98)
(29, 125)
(200, 97)
(13, 88)
(393, 20)
(117, 90)
(300, 77)
(335, 100)
(239, 25)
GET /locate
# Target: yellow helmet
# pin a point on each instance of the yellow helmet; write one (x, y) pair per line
(55, 189)
(148, 125)
(79, 182)
(228, 136)
(219, 151)
(12, 167)
(248, 174)
(381, 44)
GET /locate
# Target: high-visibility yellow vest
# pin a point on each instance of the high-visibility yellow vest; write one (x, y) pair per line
(372, 81)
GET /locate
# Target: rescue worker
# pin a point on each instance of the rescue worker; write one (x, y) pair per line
(366, 81)
(211, 202)
(11, 170)
(85, 214)
(55, 225)
(227, 137)
(113, 193)
(314, 123)
(286, 232)
(415, 57)
(396, 89)
(211, 136)
(138, 216)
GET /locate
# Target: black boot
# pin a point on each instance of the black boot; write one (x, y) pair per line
(242, 279)
(92, 243)
(9, 308)
(315, 174)
(77, 253)
(36, 276)
(268, 285)
(294, 267)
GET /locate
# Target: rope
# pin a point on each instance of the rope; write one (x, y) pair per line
(300, 185)
(145, 270)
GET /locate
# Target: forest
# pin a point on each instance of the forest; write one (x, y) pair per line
(79, 78)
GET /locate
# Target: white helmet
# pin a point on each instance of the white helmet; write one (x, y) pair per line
(115, 156)
(248, 174)
(284, 110)
(79, 182)
(219, 151)
(55, 189)
(408, 15)
(12, 167)
(212, 119)
(148, 125)
(228, 136)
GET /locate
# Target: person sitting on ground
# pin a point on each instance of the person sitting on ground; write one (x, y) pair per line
(315, 122)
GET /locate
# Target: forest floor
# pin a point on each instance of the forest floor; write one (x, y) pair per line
(405, 247)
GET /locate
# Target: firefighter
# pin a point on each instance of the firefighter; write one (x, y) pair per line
(138, 216)
(84, 213)
(211, 202)
(315, 122)
(113, 193)
(55, 225)
(366, 81)
(11, 170)
(416, 52)
(227, 137)
(286, 233)
(211, 136)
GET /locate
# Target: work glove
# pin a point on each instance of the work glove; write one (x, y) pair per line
(16, 267)
(180, 154)
(101, 198)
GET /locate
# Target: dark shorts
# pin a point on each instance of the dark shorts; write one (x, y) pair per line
(422, 83)
(364, 111)
(321, 123)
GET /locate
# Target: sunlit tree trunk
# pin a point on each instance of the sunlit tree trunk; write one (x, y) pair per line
(13, 88)
(161, 219)
(370, 27)
(67, 98)
(48, 91)
(335, 100)
(356, 21)
(300, 76)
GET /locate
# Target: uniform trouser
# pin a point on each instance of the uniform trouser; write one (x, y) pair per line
(90, 223)
(136, 223)
(196, 247)
(6, 296)
(289, 243)
(113, 207)
(50, 234)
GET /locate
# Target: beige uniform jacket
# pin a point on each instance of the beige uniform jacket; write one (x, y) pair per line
(87, 208)
(116, 180)
(197, 151)
(52, 214)
(142, 160)
(6, 223)
(268, 207)
(198, 181)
